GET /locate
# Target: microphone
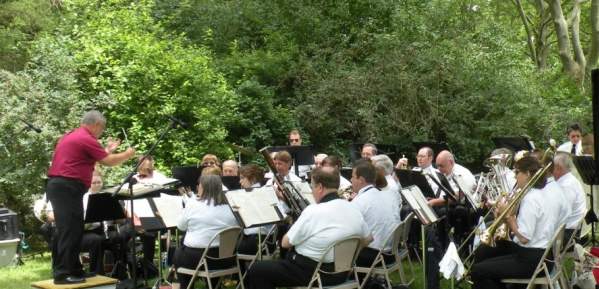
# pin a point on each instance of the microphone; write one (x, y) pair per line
(31, 126)
(179, 122)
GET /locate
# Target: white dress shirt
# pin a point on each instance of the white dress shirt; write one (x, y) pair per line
(541, 213)
(575, 197)
(203, 221)
(321, 225)
(395, 187)
(431, 172)
(381, 213)
(567, 147)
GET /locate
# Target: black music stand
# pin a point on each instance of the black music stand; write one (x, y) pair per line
(514, 143)
(301, 155)
(415, 178)
(188, 175)
(231, 182)
(587, 170)
(103, 207)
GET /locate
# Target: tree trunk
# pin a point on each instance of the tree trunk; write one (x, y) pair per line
(594, 52)
(563, 39)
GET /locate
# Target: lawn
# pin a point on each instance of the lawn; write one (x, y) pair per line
(37, 267)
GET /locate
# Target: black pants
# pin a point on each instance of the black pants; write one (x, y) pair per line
(92, 242)
(506, 260)
(294, 270)
(249, 244)
(66, 197)
(189, 257)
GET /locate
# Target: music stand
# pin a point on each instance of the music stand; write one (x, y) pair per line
(188, 175)
(587, 170)
(514, 143)
(231, 182)
(103, 207)
(301, 155)
(409, 178)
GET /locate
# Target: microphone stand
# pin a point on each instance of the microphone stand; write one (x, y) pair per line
(131, 181)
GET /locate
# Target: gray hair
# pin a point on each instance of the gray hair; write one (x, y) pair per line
(92, 117)
(371, 145)
(212, 190)
(563, 160)
(383, 162)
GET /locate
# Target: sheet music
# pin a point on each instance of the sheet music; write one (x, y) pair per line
(170, 209)
(141, 208)
(255, 207)
(139, 189)
(414, 197)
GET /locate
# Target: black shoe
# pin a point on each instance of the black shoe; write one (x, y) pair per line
(69, 280)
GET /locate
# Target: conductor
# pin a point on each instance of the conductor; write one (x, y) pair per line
(69, 177)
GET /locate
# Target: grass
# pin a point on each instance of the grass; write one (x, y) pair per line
(38, 267)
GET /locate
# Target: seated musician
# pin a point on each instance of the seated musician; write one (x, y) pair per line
(251, 177)
(542, 210)
(574, 144)
(368, 150)
(210, 160)
(318, 160)
(283, 162)
(335, 162)
(146, 173)
(230, 168)
(462, 181)
(572, 188)
(202, 220)
(93, 236)
(384, 163)
(380, 210)
(295, 139)
(319, 226)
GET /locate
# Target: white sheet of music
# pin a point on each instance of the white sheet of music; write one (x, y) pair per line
(415, 198)
(170, 209)
(142, 208)
(255, 207)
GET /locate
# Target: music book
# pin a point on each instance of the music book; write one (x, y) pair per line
(170, 209)
(417, 201)
(139, 189)
(256, 207)
(415, 178)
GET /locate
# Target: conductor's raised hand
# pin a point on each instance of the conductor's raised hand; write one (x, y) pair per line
(112, 144)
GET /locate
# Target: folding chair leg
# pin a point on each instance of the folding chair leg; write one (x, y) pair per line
(402, 275)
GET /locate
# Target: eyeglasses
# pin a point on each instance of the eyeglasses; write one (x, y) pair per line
(294, 140)
(209, 163)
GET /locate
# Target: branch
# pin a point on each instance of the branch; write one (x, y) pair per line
(594, 53)
(578, 53)
(563, 38)
(529, 37)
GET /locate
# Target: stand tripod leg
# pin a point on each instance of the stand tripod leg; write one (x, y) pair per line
(423, 241)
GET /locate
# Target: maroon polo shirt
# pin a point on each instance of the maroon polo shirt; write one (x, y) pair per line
(76, 155)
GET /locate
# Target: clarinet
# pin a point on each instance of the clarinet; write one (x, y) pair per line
(294, 199)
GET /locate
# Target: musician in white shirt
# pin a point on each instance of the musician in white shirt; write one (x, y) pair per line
(335, 162)
(320, 225)
(384, 163)
(541, 212)
(380, 210)
(146, 173)
(202, 220)
(251, 177)
(572, 189)
(295, 139)
(368, 150)
(574, 143)
(230, 168)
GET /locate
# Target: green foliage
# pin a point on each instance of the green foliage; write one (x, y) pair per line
(20, 23)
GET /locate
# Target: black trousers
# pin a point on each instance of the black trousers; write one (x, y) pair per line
(506, 260)
(249, 244)
(189, 257)
(93, 242)
(294, 270)
(66, 197)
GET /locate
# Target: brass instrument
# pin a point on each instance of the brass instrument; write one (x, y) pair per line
(498, 229)
(345, 193)
(294, 199)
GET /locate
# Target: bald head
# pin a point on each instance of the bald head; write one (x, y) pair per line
(445, 162)
(230, 168)
(328, 177)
